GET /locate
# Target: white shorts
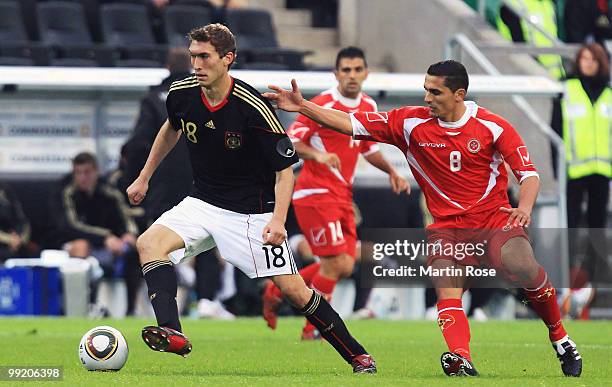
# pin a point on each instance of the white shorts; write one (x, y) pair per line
(203, 226)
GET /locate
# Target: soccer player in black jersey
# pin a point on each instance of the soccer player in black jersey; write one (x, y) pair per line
(241, 159)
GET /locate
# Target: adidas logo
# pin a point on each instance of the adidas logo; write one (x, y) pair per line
(210, 124)
(329, 328)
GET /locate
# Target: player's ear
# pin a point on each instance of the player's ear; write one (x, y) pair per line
(229, 58)
(460, 94)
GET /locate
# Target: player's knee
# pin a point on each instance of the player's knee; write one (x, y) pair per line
(347, 266)
(149, 247)
(295, 291)
(518, 261)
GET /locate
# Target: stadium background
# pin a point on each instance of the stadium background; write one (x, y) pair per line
(75, 86)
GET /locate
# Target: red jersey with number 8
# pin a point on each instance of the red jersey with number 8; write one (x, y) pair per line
(458, 165)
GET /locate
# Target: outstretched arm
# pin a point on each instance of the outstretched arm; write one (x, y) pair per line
(292, 101)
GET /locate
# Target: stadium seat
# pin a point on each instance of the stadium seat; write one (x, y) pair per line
(256, 38)
(32, 52)
(12, 28)
(15, 47)
(63, 22)
(127, 27)
(180, 19)
(15, 61)
(62, 26)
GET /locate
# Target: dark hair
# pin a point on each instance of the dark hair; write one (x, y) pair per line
(221, 38)
(178, 60)
(350, 52)
(454, 73)
(85, 158)
(600, 56)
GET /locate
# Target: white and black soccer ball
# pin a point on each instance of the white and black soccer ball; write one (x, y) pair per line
(103, 348)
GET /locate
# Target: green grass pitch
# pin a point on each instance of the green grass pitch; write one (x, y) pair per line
(245, 352)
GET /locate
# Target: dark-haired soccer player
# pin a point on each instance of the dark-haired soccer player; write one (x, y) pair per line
(241, 160)
(456, 151)
(323, 195)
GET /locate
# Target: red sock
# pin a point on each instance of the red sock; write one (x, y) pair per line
(325, 286)
(543, 300)
(307, 273)
(454, 325)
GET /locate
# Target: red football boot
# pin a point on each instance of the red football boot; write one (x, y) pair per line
(164, 339)
(364, 364)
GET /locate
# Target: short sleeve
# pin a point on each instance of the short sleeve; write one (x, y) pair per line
(515, 153)
(379, 126)
(275, 146)
(172, 118)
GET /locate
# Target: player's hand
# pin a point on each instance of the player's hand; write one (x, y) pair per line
(329, 159)
(137, 191)
(518, 217)
(274, 233)
(286, 100)
(399, 184)
(113, 244)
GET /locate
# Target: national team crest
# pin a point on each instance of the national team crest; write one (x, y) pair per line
(473, 145)
(233, 140)
(445, 321)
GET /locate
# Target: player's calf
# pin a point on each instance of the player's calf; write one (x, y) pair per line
(327, 321)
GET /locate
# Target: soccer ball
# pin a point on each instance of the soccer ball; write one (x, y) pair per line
(103, 348)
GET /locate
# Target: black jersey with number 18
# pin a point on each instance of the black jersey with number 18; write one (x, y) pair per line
(235, 147)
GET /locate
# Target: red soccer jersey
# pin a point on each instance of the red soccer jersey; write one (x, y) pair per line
(458, 165)
(319, 183)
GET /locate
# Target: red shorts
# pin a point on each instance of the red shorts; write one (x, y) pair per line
(330, 230)
(476, 239)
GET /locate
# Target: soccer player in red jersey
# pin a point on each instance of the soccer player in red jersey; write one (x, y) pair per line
(455, 149)
(323, 194)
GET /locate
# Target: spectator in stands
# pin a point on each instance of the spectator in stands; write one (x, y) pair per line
(14, 226)
(587, 20)
(92, 219)
(582, 118)
(513, 26)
